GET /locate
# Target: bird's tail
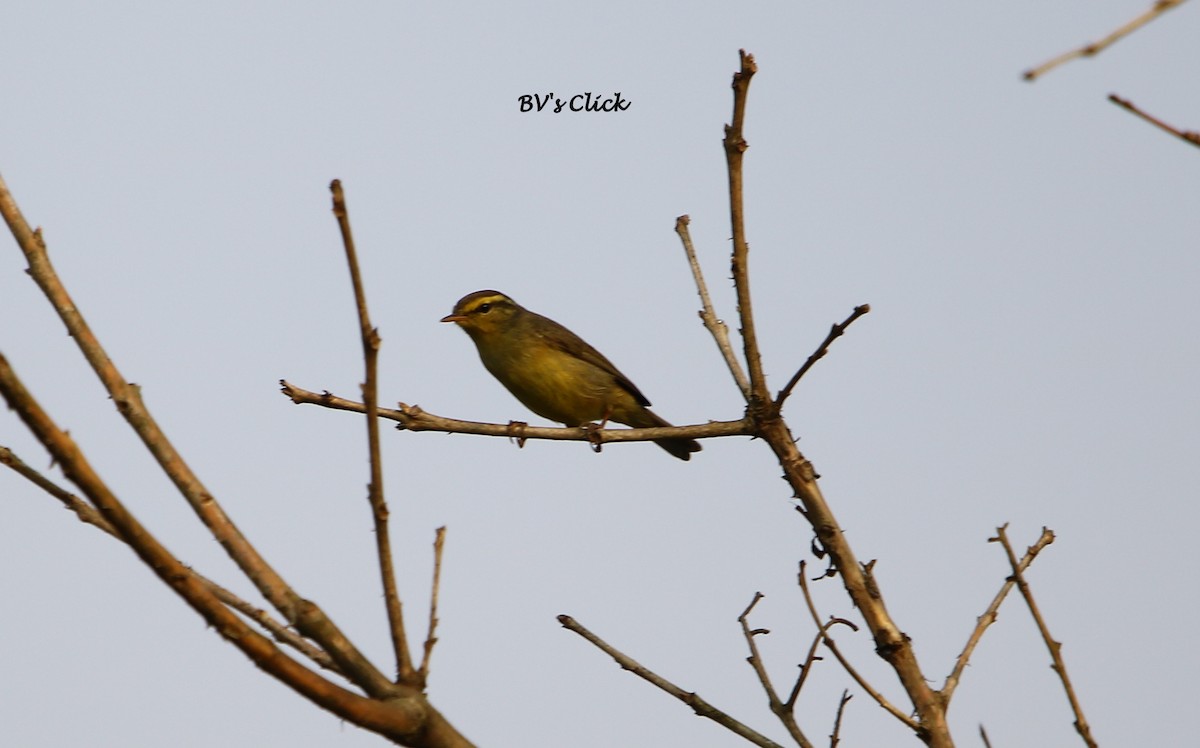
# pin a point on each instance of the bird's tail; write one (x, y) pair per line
(681, 448)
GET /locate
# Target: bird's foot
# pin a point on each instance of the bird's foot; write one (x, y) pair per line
(593, 435)
(516, 431)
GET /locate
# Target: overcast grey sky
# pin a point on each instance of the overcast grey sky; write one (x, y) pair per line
(1029, 253)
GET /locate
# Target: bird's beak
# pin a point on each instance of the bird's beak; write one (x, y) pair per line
(453, 318)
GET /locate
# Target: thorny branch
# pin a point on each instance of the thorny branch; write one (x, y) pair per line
(890, 642)
(413, 418)
(379, 509)
(303, 615)
(811, 659)
(1055, 647)
(399, 712)
(835, 332)
(735, 150)
(397, 717)
(989, 617)
(823, 628)
(783, 710)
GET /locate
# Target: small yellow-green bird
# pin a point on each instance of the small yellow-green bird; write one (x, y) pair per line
(552, 371)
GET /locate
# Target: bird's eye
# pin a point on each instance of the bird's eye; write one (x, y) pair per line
(485, 308)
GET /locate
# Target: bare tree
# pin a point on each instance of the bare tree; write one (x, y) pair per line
(925, 716)
(297, 640)
(393, 706)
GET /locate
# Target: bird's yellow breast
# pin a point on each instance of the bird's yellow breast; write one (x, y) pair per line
(553, 383)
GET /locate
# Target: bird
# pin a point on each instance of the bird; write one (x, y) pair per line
(553, 371)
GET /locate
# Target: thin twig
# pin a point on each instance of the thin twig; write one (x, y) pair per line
(989, 617)
(1055, 647)
(835, 332)
(414, 418)
(811, 658)
(379, 508)
(833, 647)
(837, 722)
(304, 615)
(735, 148)
(439, 542)
(400, 715)
(86, 513)
(698, 705)
(806, 667)
(1188, 136)
(778, 708)
(1088, 50)
(891, 643)
(715, 325)
(281, 633)
(983, 734)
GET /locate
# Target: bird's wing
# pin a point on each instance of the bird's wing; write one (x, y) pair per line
(568, 342)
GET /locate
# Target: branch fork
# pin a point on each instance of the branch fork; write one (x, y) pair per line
(396, 709)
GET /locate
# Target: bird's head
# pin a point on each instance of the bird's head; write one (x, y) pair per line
(484, 313)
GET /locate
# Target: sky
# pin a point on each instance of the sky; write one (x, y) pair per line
(1028, 252)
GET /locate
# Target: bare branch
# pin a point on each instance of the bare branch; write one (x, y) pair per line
(810, 659)
(404, 715)
(835, 332)
(83, 510)
(735, 148)
(890, 642)
(1188, 136)
(439, 542)
(1093, 48)
(715, 325)
(278, 631)
(984, 736)
(1059, 666)
(780, 709)
(413, 418)
(989, 617)
(833, 647)
(379, 508)
(698, 705)
(306, 616)
(837, 722)
(88, 514)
